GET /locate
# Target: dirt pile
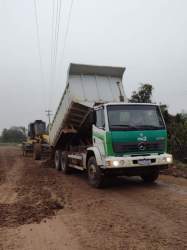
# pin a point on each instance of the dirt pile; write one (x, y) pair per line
(37, 192)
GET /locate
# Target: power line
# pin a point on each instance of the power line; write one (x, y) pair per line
(57, 30)
(65, 40)
(52, 47)
(67, 29)
(55, 33)
(55, 38)
(55, 41)
(52, 32)
(39, 46)
(58, 19)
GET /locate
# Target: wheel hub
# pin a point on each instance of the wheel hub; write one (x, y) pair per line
(92, 171)
(63, 163)
(56, 159)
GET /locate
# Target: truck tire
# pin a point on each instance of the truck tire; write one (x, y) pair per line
(150, 177)
(57, 159)
(64, 163)
(95, 175)
(37, 151)
(23, 151)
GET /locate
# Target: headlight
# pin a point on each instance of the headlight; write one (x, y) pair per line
(116, 163)
(169, 159)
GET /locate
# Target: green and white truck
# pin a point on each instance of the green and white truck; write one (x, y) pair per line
(96, 130)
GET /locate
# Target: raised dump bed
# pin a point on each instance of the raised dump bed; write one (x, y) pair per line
(86, 86)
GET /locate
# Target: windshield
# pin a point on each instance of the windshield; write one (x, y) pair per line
(135, 117)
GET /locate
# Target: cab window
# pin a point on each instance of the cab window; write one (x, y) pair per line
(100, 121)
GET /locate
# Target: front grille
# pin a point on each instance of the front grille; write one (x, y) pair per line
(142, 147)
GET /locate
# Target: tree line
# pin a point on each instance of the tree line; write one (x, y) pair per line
(13, 135)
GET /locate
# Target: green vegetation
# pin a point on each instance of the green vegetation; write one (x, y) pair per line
(13, 135)
(176, 124)
(143, 95)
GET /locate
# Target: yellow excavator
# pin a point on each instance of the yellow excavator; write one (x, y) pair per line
(37, 142)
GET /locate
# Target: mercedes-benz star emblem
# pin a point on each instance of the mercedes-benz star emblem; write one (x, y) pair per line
(141, 146)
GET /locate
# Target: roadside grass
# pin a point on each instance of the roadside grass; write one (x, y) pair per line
(2, 144)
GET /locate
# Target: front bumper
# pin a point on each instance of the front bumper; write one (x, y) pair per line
(162, 160)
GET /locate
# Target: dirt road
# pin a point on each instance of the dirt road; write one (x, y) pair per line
(41, 209)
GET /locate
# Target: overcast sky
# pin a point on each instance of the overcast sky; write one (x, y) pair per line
(148, 37)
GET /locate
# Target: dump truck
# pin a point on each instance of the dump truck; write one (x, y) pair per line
(96, 130)
(37, 140)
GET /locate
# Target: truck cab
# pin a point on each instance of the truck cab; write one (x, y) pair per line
(129, 139)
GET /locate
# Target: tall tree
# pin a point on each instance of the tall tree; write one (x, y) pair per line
(143, 95)
(177, 133)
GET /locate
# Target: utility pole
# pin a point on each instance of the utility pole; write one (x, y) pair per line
(49, 114)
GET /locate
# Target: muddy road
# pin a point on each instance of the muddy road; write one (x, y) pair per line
(41, 209)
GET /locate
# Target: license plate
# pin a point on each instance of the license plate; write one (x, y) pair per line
(144, 162)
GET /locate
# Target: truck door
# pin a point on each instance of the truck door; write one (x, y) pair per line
(99, 133)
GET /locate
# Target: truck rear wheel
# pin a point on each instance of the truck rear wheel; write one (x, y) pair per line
(150, 177)
(37, 151)
(57, 160)
(95, 175)
(64, 163)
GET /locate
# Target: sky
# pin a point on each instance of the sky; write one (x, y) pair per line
(147, 37)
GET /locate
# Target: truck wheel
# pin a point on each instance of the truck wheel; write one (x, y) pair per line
(64, 163)
(95, 175)
(150, 177)
(57, 160)
(24, 150)
(37, 151)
